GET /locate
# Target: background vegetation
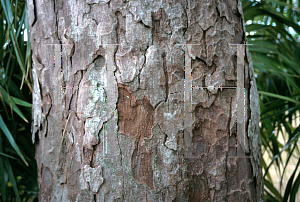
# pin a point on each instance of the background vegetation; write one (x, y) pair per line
(18, 170)
(273, 29)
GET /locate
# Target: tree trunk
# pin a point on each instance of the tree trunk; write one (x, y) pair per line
(113, 122)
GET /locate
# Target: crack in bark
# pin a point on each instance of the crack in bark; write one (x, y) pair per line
(83, 129)
(138, 76)
(72, 51)
(56, 24)
(201, 60)
(61, 52)
(70, 101)
(217, 9)
(95, 21)
(54, 5)
(229, 119)
(214, 67)
(121, 161)
(139, 21)
(35, 13)
(48, 113)
(187, 21)
(94, 147)
(158, 103)
(166, 76)
(81, 71)
(248, 99)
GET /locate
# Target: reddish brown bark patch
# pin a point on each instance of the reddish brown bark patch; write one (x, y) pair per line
(198, 189)
(141, 165)
(136, 119)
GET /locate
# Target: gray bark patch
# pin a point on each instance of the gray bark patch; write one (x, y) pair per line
(47, 184)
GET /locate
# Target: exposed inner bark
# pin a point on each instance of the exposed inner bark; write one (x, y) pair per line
(136, 119)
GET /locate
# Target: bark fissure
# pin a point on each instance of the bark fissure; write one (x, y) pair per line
(34, 12)
(217, 9)
(54, 5)
(79, 82)
(230, 116)
(166, 76)
(48, 113)
(70, 102)
(93, 153)
(122, 165)
(72, 50)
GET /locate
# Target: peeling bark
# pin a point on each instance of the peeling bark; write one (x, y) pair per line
(108, 121)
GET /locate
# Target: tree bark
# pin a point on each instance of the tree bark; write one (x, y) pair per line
(110, 122)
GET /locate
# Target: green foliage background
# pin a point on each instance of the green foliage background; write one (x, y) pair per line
(273, 29)
(18, 170)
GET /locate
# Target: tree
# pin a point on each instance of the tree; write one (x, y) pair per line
(111, 122)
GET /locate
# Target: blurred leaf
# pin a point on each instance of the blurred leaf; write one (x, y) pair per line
(290, 185)
(21, 102)
(295, 189)
(11, 102)
(2, 154)
(11, 139)
(294, 139)
(273, 190)
(11, 178)
(278, 96)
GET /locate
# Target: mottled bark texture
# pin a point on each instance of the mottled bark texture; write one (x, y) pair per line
(145, 88)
